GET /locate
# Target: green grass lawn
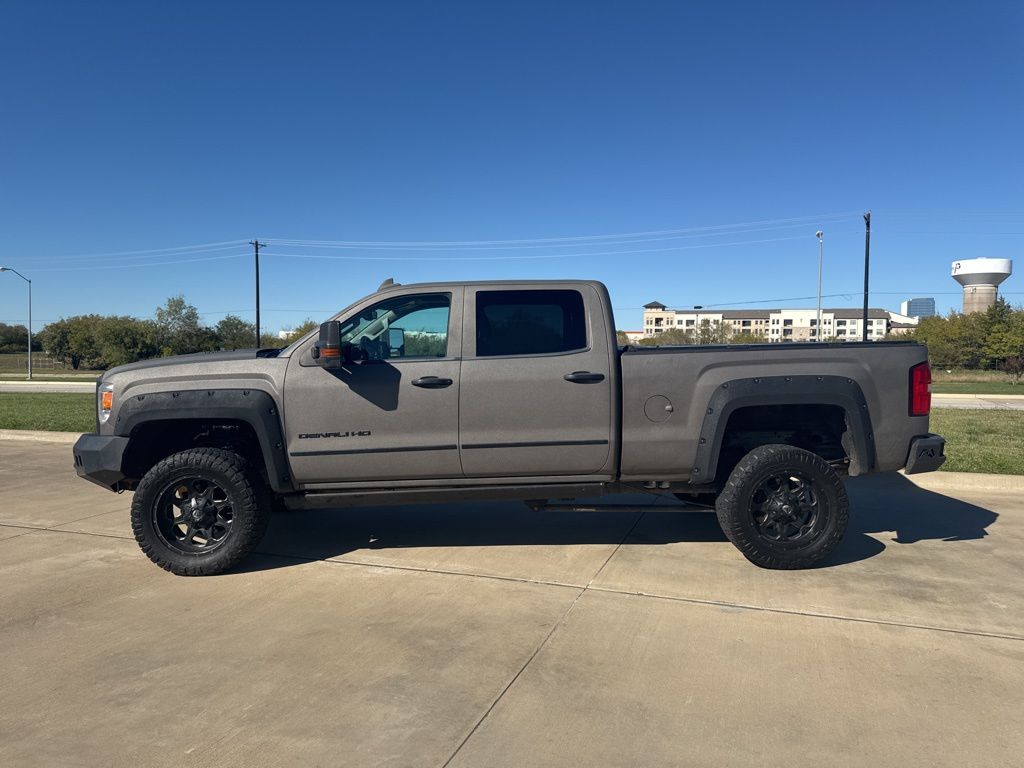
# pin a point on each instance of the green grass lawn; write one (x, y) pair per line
(56, 412)
(976, 440)
(989, 441)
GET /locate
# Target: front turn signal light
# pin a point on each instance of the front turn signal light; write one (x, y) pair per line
(107, 400)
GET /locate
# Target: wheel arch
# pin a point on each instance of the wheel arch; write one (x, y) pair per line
(248, 420)
(781, 393)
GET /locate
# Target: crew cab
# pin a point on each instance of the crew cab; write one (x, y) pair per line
(485, 390)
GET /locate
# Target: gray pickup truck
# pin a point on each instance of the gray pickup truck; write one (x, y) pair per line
(467, 391)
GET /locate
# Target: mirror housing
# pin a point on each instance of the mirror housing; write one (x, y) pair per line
(326, 351)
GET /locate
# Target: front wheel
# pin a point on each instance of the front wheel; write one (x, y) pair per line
(783, 507)
(198, 512)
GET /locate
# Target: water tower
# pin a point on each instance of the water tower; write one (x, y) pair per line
(980, 279)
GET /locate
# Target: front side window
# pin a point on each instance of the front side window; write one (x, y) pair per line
(402, 327)
(530, 322)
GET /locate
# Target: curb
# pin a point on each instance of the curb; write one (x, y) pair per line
(967, 481)
(965, 396)
(38, 436)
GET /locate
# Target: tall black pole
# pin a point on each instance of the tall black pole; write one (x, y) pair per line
(256, 245)
(867, 264)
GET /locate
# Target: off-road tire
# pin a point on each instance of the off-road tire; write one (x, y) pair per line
(738, 507)
(247, 496)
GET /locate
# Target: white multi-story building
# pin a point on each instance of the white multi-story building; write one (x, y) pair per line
(839, 324)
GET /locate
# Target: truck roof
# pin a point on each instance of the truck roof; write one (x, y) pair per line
(387, 285)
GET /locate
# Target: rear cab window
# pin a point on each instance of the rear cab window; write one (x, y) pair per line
(533, 322)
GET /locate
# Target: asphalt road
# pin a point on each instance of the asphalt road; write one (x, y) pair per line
(47, 386)
(490, 635)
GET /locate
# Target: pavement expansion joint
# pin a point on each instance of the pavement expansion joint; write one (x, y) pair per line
(810, 614)
(29, 529)
(542, 643)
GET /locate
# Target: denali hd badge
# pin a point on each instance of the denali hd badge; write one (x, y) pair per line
(317, 435)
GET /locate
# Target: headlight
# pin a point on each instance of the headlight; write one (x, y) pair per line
(106, 401)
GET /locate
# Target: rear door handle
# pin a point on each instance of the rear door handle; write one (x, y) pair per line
(584, 377)
(431, 382)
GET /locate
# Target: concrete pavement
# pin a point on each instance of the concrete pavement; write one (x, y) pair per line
(490, 635)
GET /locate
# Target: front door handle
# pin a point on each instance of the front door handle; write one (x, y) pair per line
(584, 377)
(431, 382)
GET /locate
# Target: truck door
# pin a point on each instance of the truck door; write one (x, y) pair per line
(393, 412)
(536, 394)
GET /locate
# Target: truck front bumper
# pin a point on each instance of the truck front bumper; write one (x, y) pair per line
(98, 459)
(927, 453)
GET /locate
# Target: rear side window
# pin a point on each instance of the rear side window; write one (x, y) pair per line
(529, 322)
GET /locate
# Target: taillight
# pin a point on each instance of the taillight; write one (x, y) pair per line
(920, 389)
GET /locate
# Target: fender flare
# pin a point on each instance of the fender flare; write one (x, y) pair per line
(858, 440)
(252, 406)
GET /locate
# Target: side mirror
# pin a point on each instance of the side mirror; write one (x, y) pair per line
(396, 342)
(327, 349)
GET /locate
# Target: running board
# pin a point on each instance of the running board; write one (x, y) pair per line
(543, 506)
(436, 495)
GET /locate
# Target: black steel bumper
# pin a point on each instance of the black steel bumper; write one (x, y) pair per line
(926, 454)
(98, 459)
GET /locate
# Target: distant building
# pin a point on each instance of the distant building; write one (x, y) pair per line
(775, 325)
(918, 308)
(634, 336)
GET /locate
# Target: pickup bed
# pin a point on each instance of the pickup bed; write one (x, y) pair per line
(458, 391)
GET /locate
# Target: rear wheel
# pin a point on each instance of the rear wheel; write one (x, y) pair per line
(198, 512)
(783, 507)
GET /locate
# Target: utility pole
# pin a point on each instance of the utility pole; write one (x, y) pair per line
(867, 263)
(256, 245)
(821, 246)
(10, 269)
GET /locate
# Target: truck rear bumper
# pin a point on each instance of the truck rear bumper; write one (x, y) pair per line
(98, 459)
(927, 453)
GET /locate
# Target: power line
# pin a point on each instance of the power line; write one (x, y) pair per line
(725, 228)
(526, 245)
(144, 257)
(592, 254)
(173, 251)
(103, 267)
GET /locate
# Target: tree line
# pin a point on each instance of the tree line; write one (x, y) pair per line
(992, 340)
(708, 332)
(103, 341)
(14, 339)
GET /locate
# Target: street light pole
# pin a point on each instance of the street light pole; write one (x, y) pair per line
(821, 247)
(9, 269)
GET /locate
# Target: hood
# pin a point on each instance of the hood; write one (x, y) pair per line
(196, 357)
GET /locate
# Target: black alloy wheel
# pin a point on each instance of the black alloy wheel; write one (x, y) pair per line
(199, 512)
(783, 507)
(193, 515)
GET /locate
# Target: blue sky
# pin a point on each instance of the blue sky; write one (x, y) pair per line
(139, 126)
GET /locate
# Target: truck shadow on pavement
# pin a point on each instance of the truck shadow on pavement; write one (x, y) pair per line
(880, 504)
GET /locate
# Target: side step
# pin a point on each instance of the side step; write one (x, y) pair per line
(439, 494)
(540, 505)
